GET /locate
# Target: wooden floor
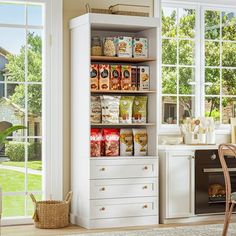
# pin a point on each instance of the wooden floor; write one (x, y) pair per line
(30, 230)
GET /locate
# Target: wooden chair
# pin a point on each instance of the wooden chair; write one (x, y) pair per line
(227, 149)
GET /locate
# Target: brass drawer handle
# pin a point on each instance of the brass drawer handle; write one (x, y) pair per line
(145, 206)
(102, 169)
(102, 189)
(103, 209)
(145, 187)
(145, 168)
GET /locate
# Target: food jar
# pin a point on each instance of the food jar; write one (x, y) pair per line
(109, 46)
(96, 46)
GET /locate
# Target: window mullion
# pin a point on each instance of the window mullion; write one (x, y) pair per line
(202, 62)
(221, 111)
(177, 68)
(198, 71)
(26, 107)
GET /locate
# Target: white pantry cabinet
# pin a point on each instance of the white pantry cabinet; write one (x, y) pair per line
(115, 191)
(177, 183)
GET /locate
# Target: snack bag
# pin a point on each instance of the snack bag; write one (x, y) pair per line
(95, 142)
(126, 142)
(126, 105)
(110, 109)
(95, 110)
(140, 142)
(111, 140)
(140, 109)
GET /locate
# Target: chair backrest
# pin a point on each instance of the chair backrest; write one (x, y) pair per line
(226, 150)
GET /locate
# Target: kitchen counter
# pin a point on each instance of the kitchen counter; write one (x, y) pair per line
(168, 147)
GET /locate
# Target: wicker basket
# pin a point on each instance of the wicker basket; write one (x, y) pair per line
(96, 10)
(51, 214)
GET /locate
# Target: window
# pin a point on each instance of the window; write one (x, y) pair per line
(220, 64)
(198, 61)
(178, 64)
(21, 81)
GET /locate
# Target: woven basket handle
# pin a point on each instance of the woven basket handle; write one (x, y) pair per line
(35, 215)
(68, 197)
(33, 198)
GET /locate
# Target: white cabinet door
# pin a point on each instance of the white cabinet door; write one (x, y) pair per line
(180, 182)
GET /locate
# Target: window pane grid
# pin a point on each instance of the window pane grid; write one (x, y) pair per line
(178, 90)
(224, 107)
(24, 141)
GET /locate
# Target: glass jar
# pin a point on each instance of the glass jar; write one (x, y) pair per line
(109, 47)
(96, 46)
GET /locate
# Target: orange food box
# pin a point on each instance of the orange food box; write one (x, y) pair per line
(94, 76)
(115, 77)
(104, 75)
(126, 79)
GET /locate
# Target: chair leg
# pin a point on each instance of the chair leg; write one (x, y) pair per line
(228, 215)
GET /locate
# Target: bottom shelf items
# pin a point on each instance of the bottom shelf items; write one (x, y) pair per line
(118, 142)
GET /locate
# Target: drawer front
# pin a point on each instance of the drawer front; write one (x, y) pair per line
(106, 169)
(118, 188)
(123, 207)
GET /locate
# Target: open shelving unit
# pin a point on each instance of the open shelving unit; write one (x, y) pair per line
(111, 191)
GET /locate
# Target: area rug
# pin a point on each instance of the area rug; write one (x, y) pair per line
(202, 230)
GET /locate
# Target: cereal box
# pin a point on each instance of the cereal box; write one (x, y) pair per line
(133, 78)
(115, 77)
(104, 75)
(124, 46)
(140, 47)
(125, 77)
(143, 78)
(94, 77)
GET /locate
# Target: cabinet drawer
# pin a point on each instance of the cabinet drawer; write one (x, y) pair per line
(118, 188)
(129, 168)
(123, 207)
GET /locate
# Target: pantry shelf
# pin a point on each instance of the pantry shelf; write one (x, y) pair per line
(122, 124)
(123, 92)
(121, 59)
(122, 157)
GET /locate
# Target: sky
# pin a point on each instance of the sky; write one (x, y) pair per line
(12, 39)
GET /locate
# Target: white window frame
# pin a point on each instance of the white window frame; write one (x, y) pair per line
(52, 130)
(199, 73)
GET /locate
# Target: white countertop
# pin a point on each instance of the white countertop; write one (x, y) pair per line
(186, 147)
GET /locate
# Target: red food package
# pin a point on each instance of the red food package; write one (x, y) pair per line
(95, 142)
(103, 144)
(111, 140)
